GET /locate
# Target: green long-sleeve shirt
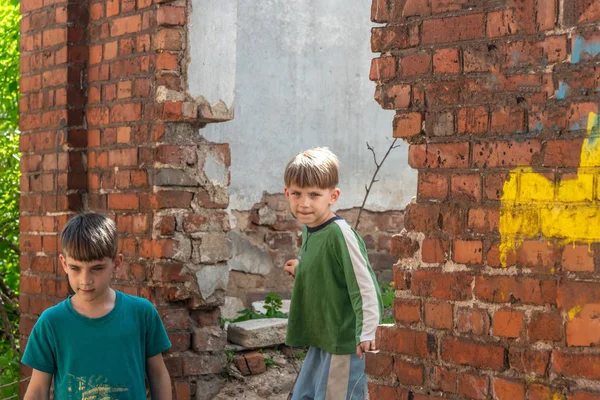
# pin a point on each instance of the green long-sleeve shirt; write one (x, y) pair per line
(336, 303)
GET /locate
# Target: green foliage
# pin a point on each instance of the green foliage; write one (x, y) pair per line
(9, 190)
(273, 305)
(387, 297)
(269, 362)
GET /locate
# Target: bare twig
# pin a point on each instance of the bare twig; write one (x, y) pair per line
(373, 180)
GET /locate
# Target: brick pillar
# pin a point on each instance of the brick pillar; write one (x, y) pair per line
(497, 277)
(108, 126)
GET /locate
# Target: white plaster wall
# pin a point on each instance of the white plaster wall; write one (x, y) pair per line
(301, 80)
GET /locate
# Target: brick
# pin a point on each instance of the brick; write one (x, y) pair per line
(438, 315)
(380, 11)
(468, 251)
(576, 365)
(407, 372)
(403, 247)
(453, 29)
(508, 120)
(473, 386)
(407, 341)
(416, 7)
(124, 89)
(443, 379)
(126, 112)
(167, 61)
(55, 37)
(478, 355)
(393, 97)
(505, 154)
(384, 39)
(167, 15)
(483, 220)
(434, 251)
(446, 61)
(577, 258)
(415, 64)
(407, 310)
(125, 25)
(383, 392)
(557, 153)
(505, 289)
(171, 199)
(546, 326)
(583, 395)
(382, 68)
(440, 124)
(407, 125)
(529, 361)
(582, 326)
(169, 272)
(168, 39)
(466, 187)
(538, 255)
(442, 155)
(508, 390)
(378, 364)
(123, 157)
(501, 23)
(446, 286)
(507, 323)
(432, 186)
(472, 320)
(121, 201)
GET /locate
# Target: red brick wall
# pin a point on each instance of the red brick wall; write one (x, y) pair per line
(96, 135)
(497, 280)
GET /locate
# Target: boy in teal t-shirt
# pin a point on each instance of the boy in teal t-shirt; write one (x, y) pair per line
(98, 343)
(336, 304)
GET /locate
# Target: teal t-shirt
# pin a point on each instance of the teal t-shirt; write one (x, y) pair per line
(97, 357)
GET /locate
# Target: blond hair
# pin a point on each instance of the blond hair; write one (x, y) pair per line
(89, 236)
(317, 167)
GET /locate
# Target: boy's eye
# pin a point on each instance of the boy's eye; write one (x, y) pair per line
(97, 269)
(314, 195)
(74, 269)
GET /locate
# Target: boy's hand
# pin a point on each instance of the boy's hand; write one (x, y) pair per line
(363, 347)
(290, 267)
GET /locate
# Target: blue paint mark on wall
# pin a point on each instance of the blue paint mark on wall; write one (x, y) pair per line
(580, 46)
(514, 57)
(538, 127)
(561, 93)
(575, 126)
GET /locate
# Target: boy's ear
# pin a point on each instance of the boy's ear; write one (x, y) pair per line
(118, 260)
(335, 195)
(63, 262)
(287, 192)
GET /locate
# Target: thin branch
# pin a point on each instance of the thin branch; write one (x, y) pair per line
(10, 245)
(7, 325)
(7, 291)
(373, 180)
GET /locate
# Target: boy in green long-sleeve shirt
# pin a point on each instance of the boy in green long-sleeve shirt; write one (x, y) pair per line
(336, 304)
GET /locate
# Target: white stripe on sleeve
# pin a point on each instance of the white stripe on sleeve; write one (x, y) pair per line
(368, 293)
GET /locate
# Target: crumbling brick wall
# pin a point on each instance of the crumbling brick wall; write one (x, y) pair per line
(498, 289)
(268, 235)
(107, 125)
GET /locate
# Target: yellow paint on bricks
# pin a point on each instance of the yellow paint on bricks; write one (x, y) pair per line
(574, 311)
(534, 205)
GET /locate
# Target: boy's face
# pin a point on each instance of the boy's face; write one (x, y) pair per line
(90, 280)
(311, 205)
